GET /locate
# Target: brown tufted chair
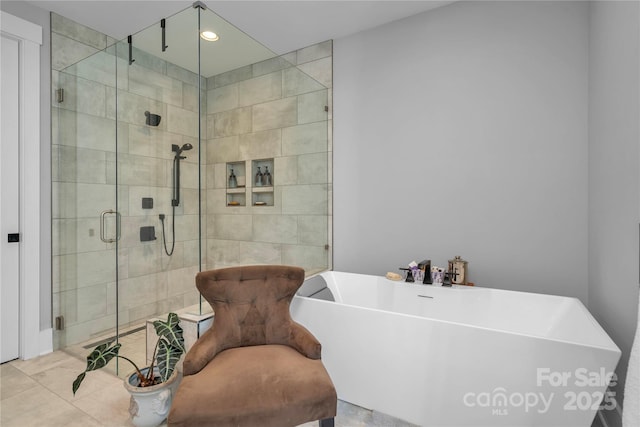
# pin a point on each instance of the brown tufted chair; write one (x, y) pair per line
(255, 366)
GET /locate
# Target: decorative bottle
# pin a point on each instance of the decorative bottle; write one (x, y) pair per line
(266, 178)
(259, 178)
(233, 181)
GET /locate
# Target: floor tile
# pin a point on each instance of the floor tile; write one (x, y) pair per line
(110, 406)
(39, 407)
(13, 381)
(60, 380)
(41, 363)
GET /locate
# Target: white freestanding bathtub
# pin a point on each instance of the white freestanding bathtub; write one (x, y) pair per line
(460, 356)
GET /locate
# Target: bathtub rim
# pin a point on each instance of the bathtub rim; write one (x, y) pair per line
(612, 347)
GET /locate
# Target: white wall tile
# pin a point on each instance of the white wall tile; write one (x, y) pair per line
(312, 168)
(222, 99)
(297, 82)
(311, 107)
(304, 139)
(233, 227)
(233, 122)
(313, 52)
(260, 89)
(275, 228)
(75, 31)
(320, 70)
(260, 145)
(275, 114)
(304, 199)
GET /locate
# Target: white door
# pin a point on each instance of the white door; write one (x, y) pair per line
(9, 202)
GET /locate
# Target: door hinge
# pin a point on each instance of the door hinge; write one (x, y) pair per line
(59, 323)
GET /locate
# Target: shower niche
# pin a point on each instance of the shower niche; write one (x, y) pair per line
(262, 190)
(259, 183)
(236, 184)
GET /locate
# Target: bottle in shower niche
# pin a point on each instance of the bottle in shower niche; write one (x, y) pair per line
(233, 181)
(266, 177)
(259, 177)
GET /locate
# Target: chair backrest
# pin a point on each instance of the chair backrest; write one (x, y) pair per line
(251, 303)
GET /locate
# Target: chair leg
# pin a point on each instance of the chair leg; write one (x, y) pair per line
(327, 422)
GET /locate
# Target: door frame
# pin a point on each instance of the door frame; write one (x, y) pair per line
(33, 342)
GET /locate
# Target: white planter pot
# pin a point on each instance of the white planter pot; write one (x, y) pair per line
(149, 406)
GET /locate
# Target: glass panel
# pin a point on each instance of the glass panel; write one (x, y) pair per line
(267, 122)
(84, 201)
(157, 172)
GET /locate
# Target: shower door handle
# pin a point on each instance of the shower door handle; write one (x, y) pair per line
(102, 225)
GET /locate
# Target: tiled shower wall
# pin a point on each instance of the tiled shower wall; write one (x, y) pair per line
(266, 110)
(84, 178)
(272, 109)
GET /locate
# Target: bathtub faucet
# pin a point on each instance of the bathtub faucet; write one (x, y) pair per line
(450, 276)
(409, 277)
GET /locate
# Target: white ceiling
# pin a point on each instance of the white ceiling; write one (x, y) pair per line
(282, 26)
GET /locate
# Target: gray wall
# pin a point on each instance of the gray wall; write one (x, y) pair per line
(41, 17)
(463, 131)
(614, 108)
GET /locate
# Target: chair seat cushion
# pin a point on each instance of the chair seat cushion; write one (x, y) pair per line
(265, 385)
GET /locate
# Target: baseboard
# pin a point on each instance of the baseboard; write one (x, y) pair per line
(45, 341)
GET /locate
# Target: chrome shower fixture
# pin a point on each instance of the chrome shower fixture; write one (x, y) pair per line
(152, 119)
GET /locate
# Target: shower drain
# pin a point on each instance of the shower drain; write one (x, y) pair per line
(110, 339)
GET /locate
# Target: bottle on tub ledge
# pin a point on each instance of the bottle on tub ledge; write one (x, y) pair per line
(457, 270)
(416, 273)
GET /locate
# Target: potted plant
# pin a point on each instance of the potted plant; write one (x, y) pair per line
(152, 387)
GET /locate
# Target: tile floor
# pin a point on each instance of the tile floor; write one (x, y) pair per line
(133, 340)
(37, 393)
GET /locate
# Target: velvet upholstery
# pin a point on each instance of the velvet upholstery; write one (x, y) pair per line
(255, 366)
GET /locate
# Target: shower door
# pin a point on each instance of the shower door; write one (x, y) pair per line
(84, 199)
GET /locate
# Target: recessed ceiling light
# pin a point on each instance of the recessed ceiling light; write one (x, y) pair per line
(209, 36)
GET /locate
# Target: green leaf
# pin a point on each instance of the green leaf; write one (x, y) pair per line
(99, 357)
(170, 344)
(77, 382)
(102, 355)
(170, 330)
(168, 357)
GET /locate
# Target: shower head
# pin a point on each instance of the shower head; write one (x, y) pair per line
(152, 119)
(178, 150)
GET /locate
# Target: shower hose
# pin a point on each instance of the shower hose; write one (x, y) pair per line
(173, 231)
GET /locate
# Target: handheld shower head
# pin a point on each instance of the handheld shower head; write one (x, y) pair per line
(178, 150)
(176, 170)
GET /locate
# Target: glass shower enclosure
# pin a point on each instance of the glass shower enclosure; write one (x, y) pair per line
(173, 154)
